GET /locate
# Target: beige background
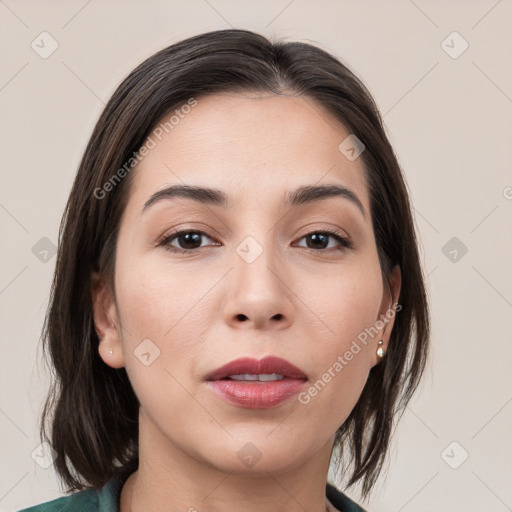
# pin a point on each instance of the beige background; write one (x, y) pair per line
(450, 122)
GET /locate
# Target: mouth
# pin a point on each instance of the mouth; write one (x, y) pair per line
(269, 368)
(262, 377)
(257, 384)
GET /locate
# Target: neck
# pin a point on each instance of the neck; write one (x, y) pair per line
(170, 479)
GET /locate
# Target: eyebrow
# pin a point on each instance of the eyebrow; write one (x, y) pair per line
(303, 195)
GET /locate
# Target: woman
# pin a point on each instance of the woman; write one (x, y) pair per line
(238, 296)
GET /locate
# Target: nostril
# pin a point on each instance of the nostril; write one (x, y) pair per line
(241, 317)
(278, 316)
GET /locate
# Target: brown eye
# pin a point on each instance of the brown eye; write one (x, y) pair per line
(184, 241)
(320, 240)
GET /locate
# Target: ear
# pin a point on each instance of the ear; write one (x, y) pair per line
(389, 308)
(106, 322)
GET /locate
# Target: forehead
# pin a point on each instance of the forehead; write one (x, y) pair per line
(250, 146)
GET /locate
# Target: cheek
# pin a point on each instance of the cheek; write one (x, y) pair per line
(154, 298)
(164, 324)
(343, 303)
(346, 306)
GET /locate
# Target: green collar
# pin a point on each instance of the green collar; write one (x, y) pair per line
(107, 499)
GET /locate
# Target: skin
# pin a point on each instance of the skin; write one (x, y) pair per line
(253, 147)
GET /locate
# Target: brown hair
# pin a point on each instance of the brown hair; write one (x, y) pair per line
(91, 413)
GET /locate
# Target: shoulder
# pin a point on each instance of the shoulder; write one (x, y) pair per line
(88, 500)
(341, 501)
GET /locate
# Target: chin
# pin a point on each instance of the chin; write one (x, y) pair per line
(257, 458)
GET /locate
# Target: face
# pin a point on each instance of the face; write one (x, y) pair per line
(262, 273)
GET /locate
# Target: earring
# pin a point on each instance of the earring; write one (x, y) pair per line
(110, 351)
(380, 350)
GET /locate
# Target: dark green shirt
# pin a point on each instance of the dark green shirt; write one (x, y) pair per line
(107, 500)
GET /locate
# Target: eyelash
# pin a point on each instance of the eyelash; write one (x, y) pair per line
(164, 242)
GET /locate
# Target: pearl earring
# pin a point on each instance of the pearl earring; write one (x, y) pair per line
(380, 350)
(110, 351)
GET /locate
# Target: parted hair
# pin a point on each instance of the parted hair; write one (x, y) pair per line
(90, 416)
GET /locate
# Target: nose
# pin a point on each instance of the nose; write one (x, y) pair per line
(259, 295)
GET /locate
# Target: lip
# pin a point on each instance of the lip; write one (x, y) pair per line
(257, 394)
(269, 364)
